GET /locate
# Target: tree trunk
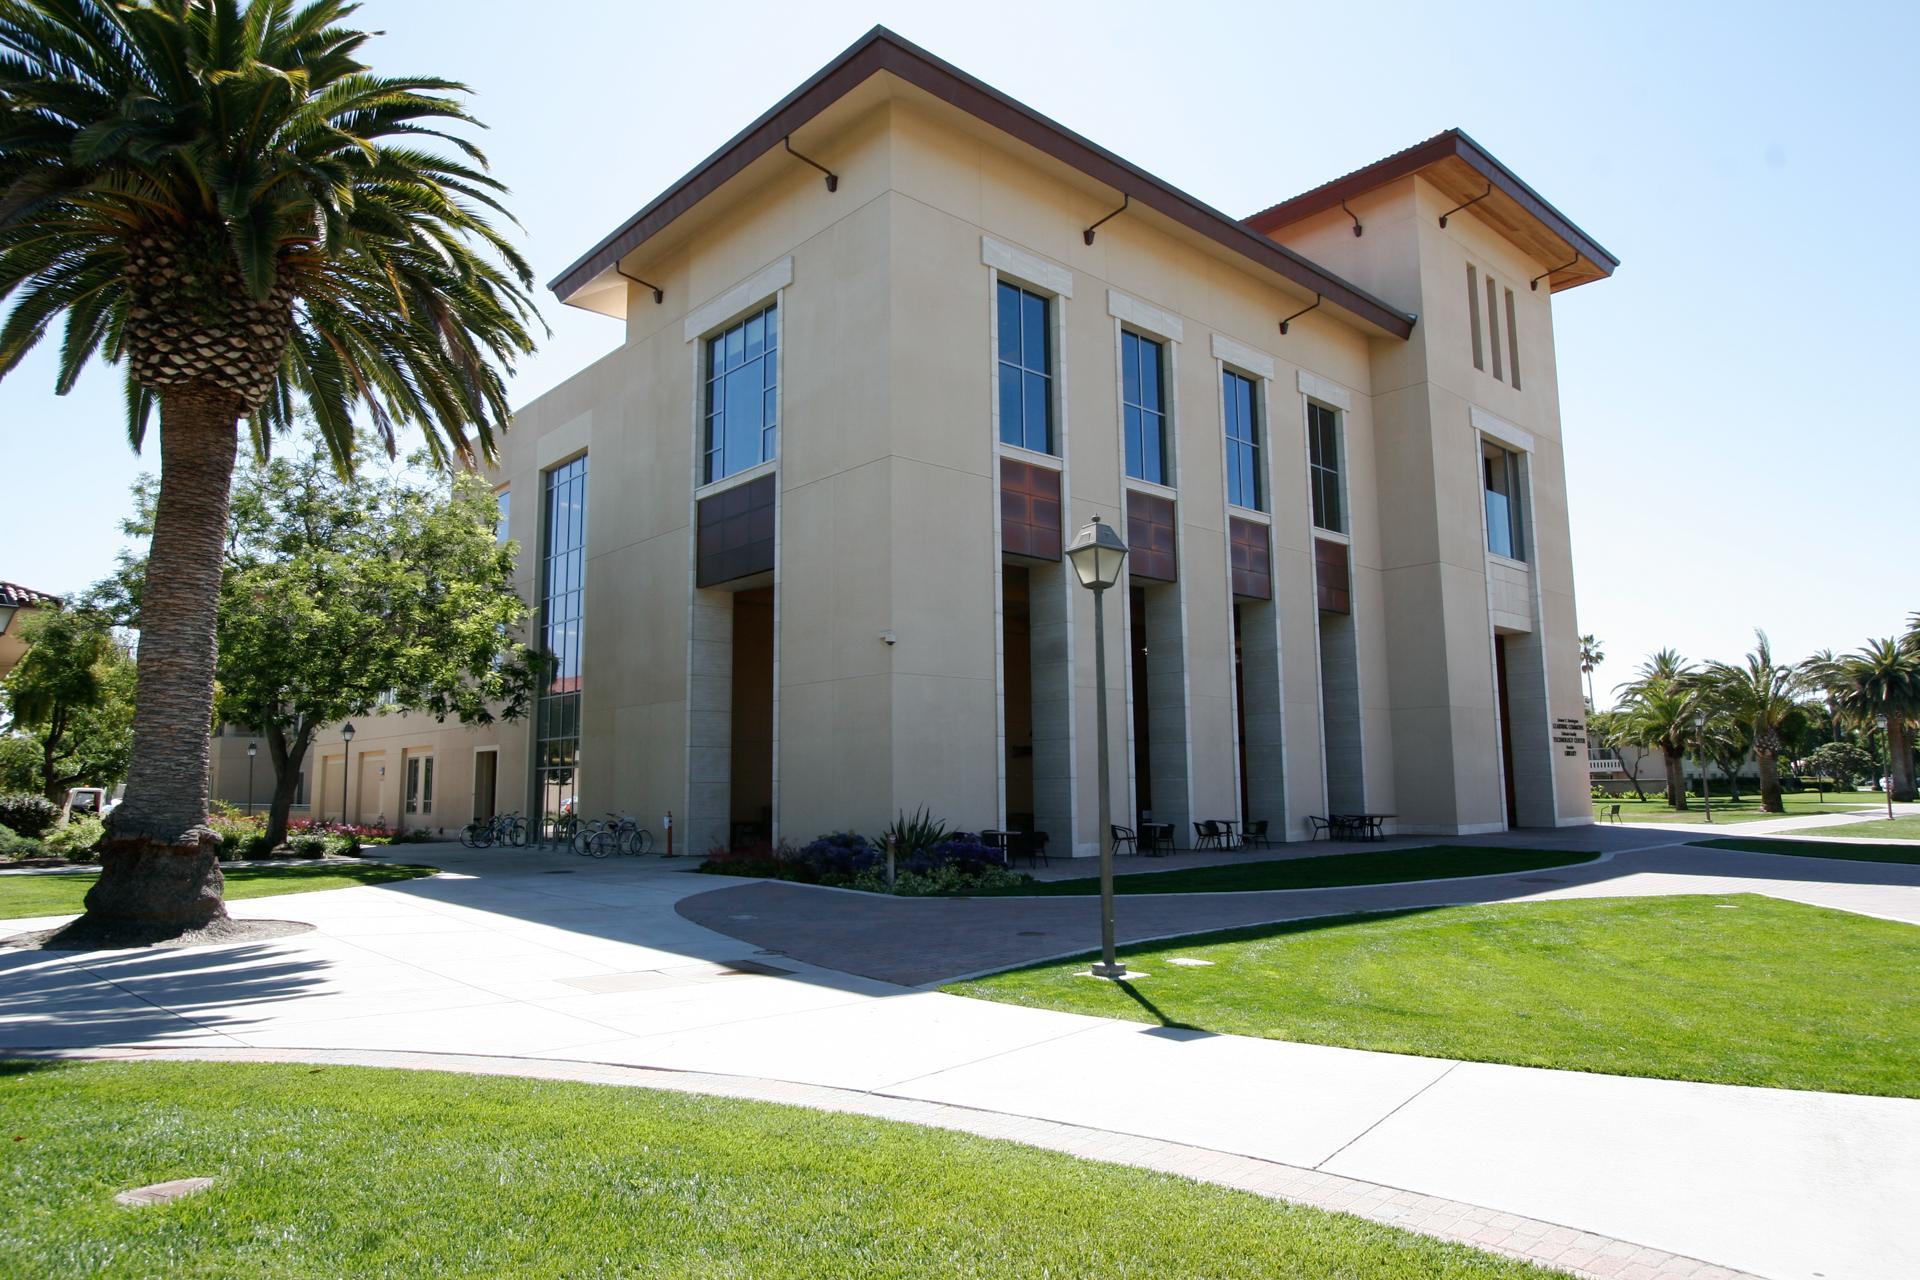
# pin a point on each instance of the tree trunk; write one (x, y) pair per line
(1676, 780)
(159, 870)
(286, 778)
(1901, 750)
(1769, 781)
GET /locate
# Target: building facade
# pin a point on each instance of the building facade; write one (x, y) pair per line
(796, 544)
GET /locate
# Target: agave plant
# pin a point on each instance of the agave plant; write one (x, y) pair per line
(913, 836)
(220, 197)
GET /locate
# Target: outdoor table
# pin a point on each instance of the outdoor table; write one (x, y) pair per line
(1003, 841)
(1156, 838)
(1369, 824)
(1232, 838)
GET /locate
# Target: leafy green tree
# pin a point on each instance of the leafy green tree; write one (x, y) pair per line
(71, 696)
(1613, 730)
(19, 762)
(1843, 762)
(1882, 678)
(344, 598)
(223, 197)
(1659, 704)
(1761, 696)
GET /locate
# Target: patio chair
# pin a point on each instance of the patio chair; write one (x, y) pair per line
(1209, 835)
(1613, 813)
(1318, 826)
(1036, 848)
(1123, 836)
(1254, 835)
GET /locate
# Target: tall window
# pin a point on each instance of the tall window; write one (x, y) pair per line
(1473, 315)
(1323, 467)
(1143, 399)
(1502, 470)
(1026, 369)
(419, 798)
(1243, 441)
(503, 502)
(562, 591)
(743, 395)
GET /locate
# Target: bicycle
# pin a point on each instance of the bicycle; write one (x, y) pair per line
(618, 834)
(504, 829)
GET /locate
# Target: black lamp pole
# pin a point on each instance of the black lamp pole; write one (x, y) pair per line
(253, 749)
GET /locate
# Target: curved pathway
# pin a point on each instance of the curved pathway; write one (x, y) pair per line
(546, 957)
(926, 941)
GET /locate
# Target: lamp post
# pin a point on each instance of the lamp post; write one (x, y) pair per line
(1097, 555)
(346, 769)
(253, 749)
(1700, 745)
(1886, 782)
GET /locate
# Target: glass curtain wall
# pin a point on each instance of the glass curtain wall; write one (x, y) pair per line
(563, 565)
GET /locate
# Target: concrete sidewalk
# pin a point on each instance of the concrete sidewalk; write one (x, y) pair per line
(556, 958)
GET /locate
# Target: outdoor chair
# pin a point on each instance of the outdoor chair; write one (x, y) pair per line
(1613, 813)
(1255, 834)
(1035, 847)
(1123, 836)
(1208, 835)
(1318, 826)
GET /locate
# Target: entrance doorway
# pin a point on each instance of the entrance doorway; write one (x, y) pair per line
(486, 783)
(750, 799)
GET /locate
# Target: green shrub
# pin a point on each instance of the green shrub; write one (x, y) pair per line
(341, 846)
(27, 814)
(308, 845)
(78, 839)
(14, 845)
(240, 836)
(912, 836)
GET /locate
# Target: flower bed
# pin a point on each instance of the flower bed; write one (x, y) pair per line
(938, 862)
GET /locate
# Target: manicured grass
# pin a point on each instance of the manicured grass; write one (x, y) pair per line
(1741, 989)
(1815, 849)
(356, 1172)
(1798, 804)
(1882, 828)
(59, 895)
(1437, 862)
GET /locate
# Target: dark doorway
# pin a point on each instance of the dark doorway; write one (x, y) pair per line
(750, 799)
(1506, 726)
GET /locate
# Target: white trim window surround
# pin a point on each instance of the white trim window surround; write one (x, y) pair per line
(750, 294)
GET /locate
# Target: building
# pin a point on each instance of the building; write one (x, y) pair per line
(17, 604)
(797, 542)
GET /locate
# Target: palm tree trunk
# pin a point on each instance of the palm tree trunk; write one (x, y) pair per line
(160, 869)
(1901, 749)
(1770, 800)
(1676, 780)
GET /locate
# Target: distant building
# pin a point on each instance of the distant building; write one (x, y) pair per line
(889, 348)
(17, 604)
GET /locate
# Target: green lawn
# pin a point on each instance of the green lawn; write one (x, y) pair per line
(1437, 862)
(1740, 989)
(1799, 848)
(356, 1172)
(1798, 804)
(59, 895)
(1881, 828)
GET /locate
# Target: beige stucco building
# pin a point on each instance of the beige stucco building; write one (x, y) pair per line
(797, 541)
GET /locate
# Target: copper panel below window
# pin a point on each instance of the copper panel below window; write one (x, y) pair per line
(1150, 537)
(1252, 559)
(1331, 578)
(735, 534)
(1029, 510)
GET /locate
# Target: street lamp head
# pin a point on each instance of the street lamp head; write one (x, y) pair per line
(1700, 720)
(1881, 720)
(1097, 554)
(346, 731)
(253, 749)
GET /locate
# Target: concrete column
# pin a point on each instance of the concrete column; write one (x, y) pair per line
(1262, 719)
(1052, 705)
(1340, 713)
(1167, 749)
(709, 722)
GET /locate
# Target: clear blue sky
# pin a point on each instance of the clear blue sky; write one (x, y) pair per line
(1738, 402)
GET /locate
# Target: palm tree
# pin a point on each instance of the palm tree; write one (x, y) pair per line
(219, 195)
(1591, 656)
(1883, 679)
(1761, 696)
(1659, 705)
(1822, 671)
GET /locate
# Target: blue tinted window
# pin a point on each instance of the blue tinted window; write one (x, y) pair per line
(743, 395)
(1026, 369)
(562, 594)
(1143, 408)
(1243, 441)
(1323, 468)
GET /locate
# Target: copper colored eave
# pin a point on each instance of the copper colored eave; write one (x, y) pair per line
(1463, 169)
(880, 50)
